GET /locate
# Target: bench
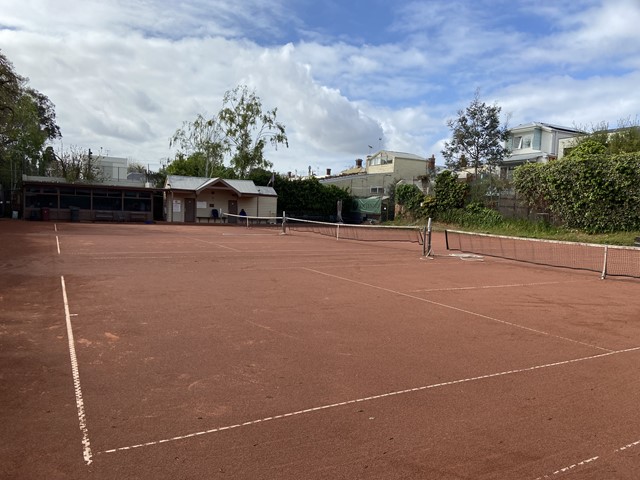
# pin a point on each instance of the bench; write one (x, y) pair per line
(138, 216)
(103, 215)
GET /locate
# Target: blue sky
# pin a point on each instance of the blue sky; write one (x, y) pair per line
(124, 75)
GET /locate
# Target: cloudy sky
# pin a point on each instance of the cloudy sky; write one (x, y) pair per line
(348, 76)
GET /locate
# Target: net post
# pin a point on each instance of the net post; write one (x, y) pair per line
(338, 231)
(604, 265)
(446, 239)
(284, 222)
(428, 237)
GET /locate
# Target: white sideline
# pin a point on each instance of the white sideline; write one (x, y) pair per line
(86, 445)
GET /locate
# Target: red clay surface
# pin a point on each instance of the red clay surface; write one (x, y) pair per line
(233, 353)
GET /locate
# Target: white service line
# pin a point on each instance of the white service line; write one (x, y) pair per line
(483, 287)
(570, 467)
(584, 462)
(457, 309)
(58, 244)
(366, 399)
(86, 446)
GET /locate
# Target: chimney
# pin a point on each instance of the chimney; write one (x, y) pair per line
(328, 172)
(431, 163)
(359, 162)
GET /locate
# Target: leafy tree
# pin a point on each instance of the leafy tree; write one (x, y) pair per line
(135, 167)
(197, 165)
(203, 140)
(27, 122)
(76, 164)
(410, 198)
(602, 140)
(450, 192)
(309, 198)
(477, 137)
(248, 129)
(261, 176)
(241, 131)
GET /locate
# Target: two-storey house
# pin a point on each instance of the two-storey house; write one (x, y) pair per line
(535, 142)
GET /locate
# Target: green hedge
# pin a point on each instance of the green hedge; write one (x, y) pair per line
(596, 193)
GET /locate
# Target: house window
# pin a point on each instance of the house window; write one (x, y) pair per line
(526, 142)
(376, 190)
(517, 142)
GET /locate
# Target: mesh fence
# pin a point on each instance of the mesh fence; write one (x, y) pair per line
(605, 259)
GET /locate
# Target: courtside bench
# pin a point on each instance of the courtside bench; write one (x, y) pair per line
(138, 216)
(103, 216)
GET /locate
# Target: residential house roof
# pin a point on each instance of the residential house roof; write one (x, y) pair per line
(530, 125)
(197, 184)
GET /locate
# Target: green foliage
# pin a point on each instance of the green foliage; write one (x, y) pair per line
(588, 146)
(27, 122)
(75, 164)
(410, 198)
(428, 207)
(602, 140)
(530, 181)
(309, 198)
(204, 140)
(473, 215)
(241, 131)
(594, 193)
(477, 137)
(450, 192)
(261, 176)
(248, 129)
(197, 165)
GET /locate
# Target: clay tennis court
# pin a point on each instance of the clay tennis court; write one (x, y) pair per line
(191, 352)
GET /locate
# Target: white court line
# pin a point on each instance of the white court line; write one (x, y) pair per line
(482, 287)
(86, 446)
(58, 244)
(212, 243)
(367, 399)
(457, 309)
(570, 467)
(584, 462)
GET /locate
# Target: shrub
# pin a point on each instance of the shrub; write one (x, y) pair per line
(595, 193)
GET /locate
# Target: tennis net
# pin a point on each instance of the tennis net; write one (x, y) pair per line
(606, 259)
(368, 233)
(254, 221)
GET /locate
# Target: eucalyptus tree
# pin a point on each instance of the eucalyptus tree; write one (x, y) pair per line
(248, 129)
(239, 132)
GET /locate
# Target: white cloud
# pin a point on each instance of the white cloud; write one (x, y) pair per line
(124, 75)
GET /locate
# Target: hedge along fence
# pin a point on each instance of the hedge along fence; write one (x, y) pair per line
(596, 193)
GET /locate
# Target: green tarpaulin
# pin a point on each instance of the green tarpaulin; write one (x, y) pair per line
(369, 206)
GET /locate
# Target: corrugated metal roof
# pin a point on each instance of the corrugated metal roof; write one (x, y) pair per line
(180, 182)
(242, 187)
(106, 183)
